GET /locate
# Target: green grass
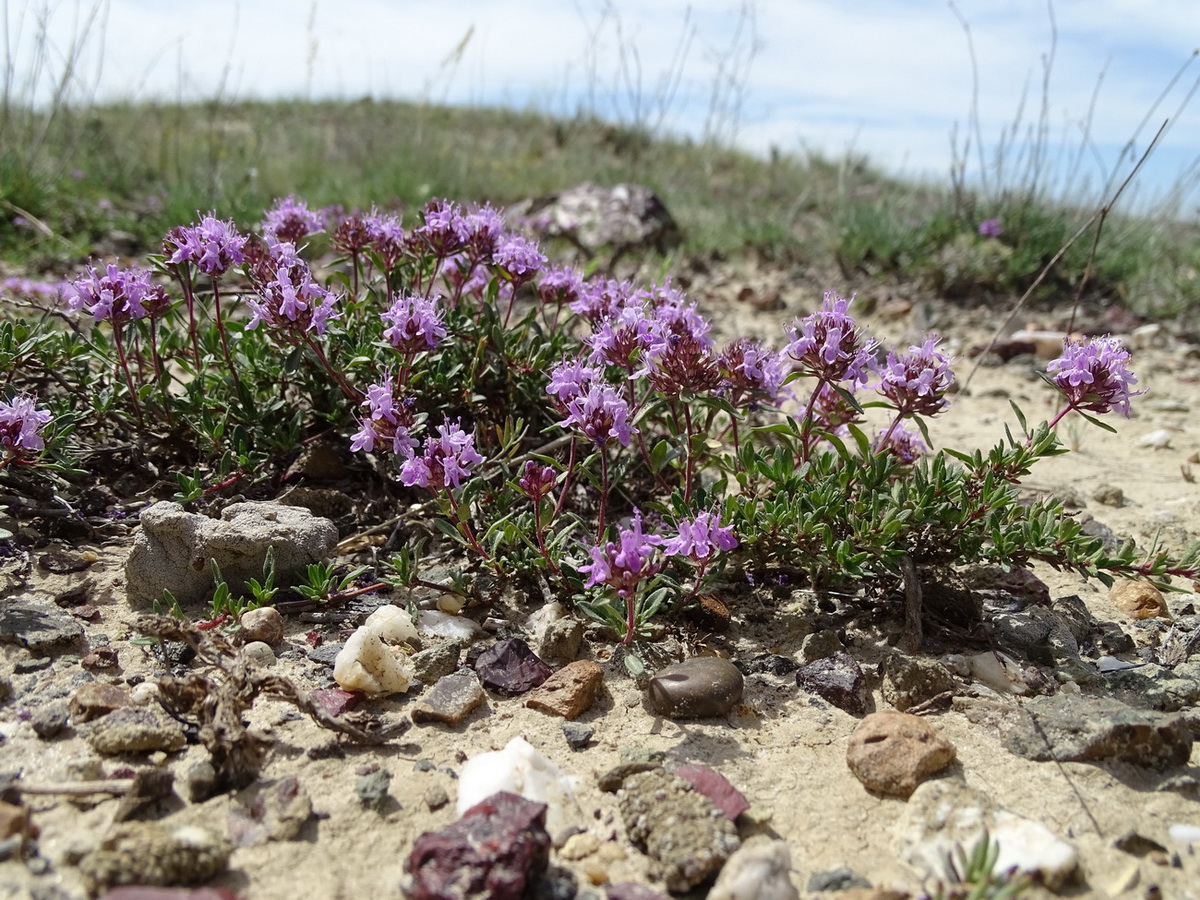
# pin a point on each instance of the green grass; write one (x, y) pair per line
(142, 168)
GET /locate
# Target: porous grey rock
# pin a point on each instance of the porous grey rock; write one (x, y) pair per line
(686, 837)
(1075, 729)
(945, 816)
(135, 730)
(621, 218)
(436, 662)
(450, 701)
(909, 681)
(38, 628)
(149, 853)
(173, 549)
(1157, 687)
(561, 640)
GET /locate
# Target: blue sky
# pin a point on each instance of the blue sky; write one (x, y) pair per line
(888, 79)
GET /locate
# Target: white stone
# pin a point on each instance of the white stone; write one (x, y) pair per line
(393, 624)
(1158, 439)
(997, 671)
(1185, 834)
(520, 769)
(433, 623)
(945, 819)
(543, 617)
(758, 870)
(367, 664)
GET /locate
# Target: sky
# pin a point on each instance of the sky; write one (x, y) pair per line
(891, 80)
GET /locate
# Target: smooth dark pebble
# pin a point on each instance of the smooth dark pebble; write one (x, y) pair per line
(698, 688)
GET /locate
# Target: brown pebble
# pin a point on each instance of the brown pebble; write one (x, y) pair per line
(697, 688)
(14, 820)
(263, 624)
(570, 691)
(1139, 599)
(709, 613)
(96, 699)
(891, 752)
(450, 701)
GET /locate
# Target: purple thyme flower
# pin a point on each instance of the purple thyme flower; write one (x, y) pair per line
(700, 538)
(289, 300)
(560, 285)
(832, 412)
(1094, 375)
(387, 238)
(829, 345)
(601, 298)
(444, 230)
(518, 258)
(902, 443)
(213, 245)
(416, 323)
(389, 419)
(290, 219)
(991, 228)
(484, 231)
(119, 295)
(601, 413)
(917, 382)
(28, 289)
(617, 338)
(571, 378)
(752, 374)
(351, 235)
(622, 563)
(537, 480)
(446, 459)
(21, 424)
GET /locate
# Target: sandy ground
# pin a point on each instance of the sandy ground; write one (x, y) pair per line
(782, 748)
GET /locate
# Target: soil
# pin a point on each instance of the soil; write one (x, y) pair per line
(784, 749)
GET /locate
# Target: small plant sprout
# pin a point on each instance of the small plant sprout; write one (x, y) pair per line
(323, 584)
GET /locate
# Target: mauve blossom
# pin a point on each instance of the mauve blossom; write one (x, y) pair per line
(214, 246)
(991, 228)
(700, 538)
(570, 378)
(118, 295)
(903, 443)
(560, 285)
(602, 414)
(21, 424)
(287, 299)
(1094, 375)
(518, 258)
(447, 459)
(389, 419)
(916, 382)
(537, 480)
(290, 219)
(829, 344)
(623, 563)
(752, 373)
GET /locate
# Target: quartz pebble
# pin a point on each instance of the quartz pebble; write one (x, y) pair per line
(891, 752)
(758, 870)
(522, 770)
(697, 688)
(372, 660)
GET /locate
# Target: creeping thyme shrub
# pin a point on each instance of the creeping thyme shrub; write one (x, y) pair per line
(582, 436)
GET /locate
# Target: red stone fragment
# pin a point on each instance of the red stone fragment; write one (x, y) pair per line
(715, 787)
(335, 701)
(495, 851)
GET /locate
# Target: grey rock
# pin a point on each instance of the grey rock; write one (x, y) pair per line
(623, 217)
(436, 797)
(697, 688)
(1074, 729)
(1180, 642)
(49, 721)
(840, 680)
(437, 662)
(135, 730)
(326, 654)
(450, 701)
(260, 653)
(578, 735)
(29, 666)
(1157, 687)
(561, 640)
(820, 645)
(200, 781)
(372, 789)
(173, 548)
(35, 627)
(1109, 495)
(270, 811)
(152, 853)
(909, 681)
(839, 879)
(685, 836)
(556, 883)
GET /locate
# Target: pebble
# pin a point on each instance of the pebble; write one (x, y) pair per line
(1139, 599)
(758, 870)
(497, 849)
(632, 890)
(1109, 495)
(49, 720)
(1159, 439)
(263, 624)
(450, 701)
(335, 701)
(270, 811)
(709, 613)
(14, 821)
(369, 662)
(570, 691)
(135, 730)
(436, 797)
(434, 623)
(837, 679)
(578, 735)
(839, 879)
(1185, 834)
(891, 752)
(819, 645)
(698, 688)
(522, 770)
(437, 662)
(767, 664)
(510, 667)
(685, 836)
(259, 653)
(372, 789)
(560, 640)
